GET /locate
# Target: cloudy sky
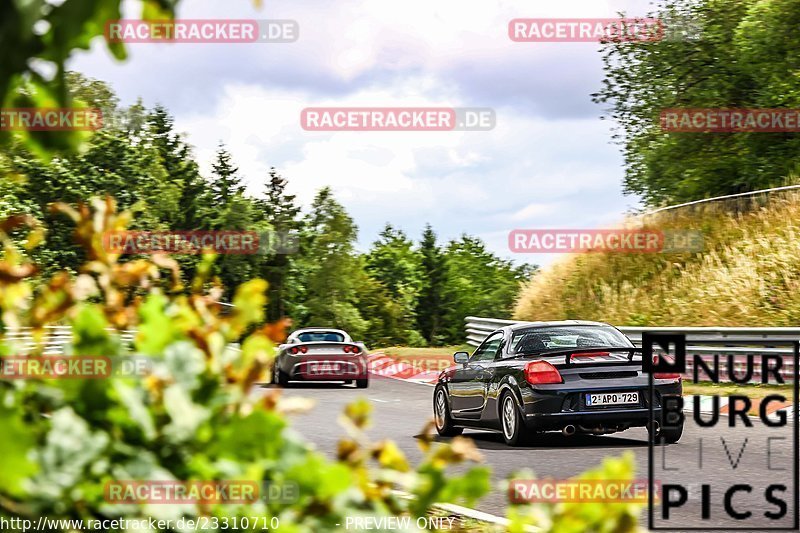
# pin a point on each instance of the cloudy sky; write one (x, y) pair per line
(547, 164)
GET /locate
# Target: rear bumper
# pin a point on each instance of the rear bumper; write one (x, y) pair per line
(606, 418)
(328, 369)
(551, 410)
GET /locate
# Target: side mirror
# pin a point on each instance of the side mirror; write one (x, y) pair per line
(461, 357)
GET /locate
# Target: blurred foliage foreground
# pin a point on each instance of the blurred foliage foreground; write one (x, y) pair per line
(195, 416)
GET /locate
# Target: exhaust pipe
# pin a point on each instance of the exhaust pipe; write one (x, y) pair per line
(569, 430)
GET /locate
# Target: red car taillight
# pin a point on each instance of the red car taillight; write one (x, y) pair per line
(294, 350)
(351, 349)
(664, 375)
(541, 373)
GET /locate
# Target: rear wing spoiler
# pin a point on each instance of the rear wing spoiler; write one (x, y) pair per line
(572, 352)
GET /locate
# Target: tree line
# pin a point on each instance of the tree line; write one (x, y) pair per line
(719, 54)
(398, 292)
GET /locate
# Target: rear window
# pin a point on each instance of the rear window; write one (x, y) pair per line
(321, 336)
(534, 340)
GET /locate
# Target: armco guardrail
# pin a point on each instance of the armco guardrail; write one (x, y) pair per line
(54, 340)
(754, 341)
(725, 197)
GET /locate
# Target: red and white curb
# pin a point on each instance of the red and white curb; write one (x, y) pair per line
(381, 365)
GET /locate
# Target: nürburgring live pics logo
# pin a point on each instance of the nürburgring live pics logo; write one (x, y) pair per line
(744, 473)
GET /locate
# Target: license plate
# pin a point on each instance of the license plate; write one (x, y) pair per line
(324, 368)
(612, 398)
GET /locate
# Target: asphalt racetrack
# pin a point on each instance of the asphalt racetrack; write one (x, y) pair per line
(401, 410)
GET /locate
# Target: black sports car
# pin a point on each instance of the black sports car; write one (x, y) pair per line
(569, 376)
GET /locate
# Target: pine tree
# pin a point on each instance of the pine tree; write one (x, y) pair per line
(227, 183)
(280, 208)
(431, 306)
(182, 171)
(231, 210)
(281, 212)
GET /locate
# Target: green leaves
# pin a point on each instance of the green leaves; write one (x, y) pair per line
(16, 441)
(71, 446)
(185, 415)
(320, 479)
(89, 334)
(249, 303)
(746, 56)
(156, 330)
(158, 9)
(577, 517)
(133, 400)
(36, 40)
(253, 437)
(185, 364)
(468, 488)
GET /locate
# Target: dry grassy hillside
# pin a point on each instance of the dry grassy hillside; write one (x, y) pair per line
(748, 273)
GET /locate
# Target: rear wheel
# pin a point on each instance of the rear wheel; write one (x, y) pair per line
(441, 415)
(362, 383)
(513, 426)
(279, 377)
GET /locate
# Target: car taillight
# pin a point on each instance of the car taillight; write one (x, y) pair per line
(294, 350)
(351, 349)
(664, 375)
(541, 373)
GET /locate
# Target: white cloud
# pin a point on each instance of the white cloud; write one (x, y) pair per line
(548, 163)
(525, 172)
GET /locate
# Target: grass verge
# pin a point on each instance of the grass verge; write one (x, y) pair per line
(746, 275)
(727, 389)
(436, 352)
